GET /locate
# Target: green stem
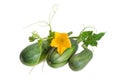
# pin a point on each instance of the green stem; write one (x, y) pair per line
(50, 27)
(84, 46)
(74, 37)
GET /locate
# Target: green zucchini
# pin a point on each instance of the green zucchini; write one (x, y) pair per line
(54, 58)
(80, 60)
(56, 65)
(32, 55)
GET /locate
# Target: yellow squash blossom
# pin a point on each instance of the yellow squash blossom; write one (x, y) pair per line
(61, 41)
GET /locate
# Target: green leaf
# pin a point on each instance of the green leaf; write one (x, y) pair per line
(98, 36)
(84, 35)
(34, 36)
(93, 43)
(69, 33)
(90, 38)
(31, 39)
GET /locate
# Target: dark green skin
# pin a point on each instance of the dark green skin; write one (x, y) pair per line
(31, 55)
(80, 60)
(55, 60)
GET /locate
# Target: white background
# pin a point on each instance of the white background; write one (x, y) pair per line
(15, 15)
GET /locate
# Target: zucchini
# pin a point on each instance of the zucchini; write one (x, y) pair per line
(80, 60)
(54, 58)
(56, 65)
(33, 54)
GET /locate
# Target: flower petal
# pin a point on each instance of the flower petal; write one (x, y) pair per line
(61, 41)
(53, 43)
(61, 50)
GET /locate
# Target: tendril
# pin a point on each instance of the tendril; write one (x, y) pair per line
(50, 18)
(89, 27)
(31, 70)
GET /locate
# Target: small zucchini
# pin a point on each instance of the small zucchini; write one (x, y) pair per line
(32, 55)
(80, 60)
(54, 58)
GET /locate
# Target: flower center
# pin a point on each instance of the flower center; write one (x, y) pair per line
(62, 40)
